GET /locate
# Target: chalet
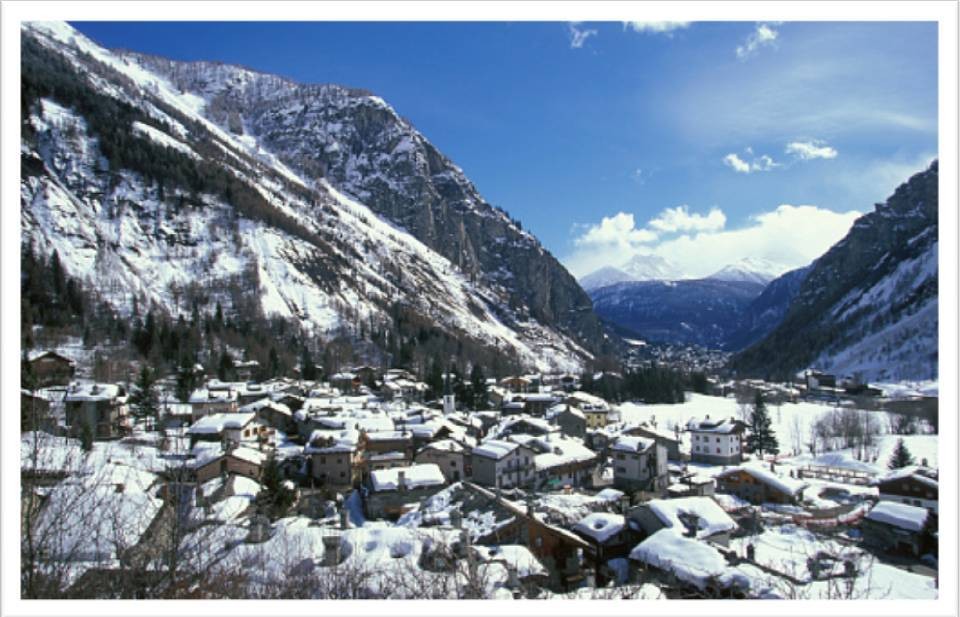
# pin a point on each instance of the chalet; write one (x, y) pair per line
(522, 425)
(534, 404)
(609, 536)
(517, 384)
(518, 561)
(572, 422)
(817, 379)
(51, 369)
(502, 463)
(336, 457)
(389, 491)
(213, 400)
(386, 449)
(914, 485)
(695, 517)
(240, 460)
(102, 407)
(229, 428)
(251, 392)
(668, 439)
(272, 414)
(246, 369)
(561, 461)
(452, 457)
(759, 485)
(596, 410)
(560, 551)
(694, 564)
(898, 527)
(347, 383)
(716, 442)
(639, 464)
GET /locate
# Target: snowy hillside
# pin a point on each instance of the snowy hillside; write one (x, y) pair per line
(868, 306)
(242, 225)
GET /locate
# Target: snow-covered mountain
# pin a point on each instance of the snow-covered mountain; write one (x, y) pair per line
(869, 304)
(751, 269)
(637, 268)
(157, 180)
(651, 268)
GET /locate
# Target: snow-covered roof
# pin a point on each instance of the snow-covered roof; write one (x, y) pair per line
(690, 560)
(563, 451)
(626, 443)
(266, 403)
(601, 526)
(495, 448)
(212, 395)
(205, 455)
(515, 555)
(37, 354)
(900, 515)
(921, 474)
(787, 486)
(722, 426)
(415, 476)
(444, 445)
(92, 392)
(610, 494)
(388, 435)
(711, 518)
(588, 402)
(218, 422)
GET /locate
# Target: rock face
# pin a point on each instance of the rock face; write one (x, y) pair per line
(155, 180)
(868, 306)
(766, 311)
(361, 146)
(701, 312)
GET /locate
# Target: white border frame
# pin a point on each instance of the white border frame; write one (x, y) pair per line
(946, 13)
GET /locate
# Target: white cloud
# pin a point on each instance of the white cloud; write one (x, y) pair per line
(789, 235)
(579, 36)
(618, 230)
(736, 163)
(680, 219)
(660, 27)
(815, 149)
(758, 163)
(763, 36)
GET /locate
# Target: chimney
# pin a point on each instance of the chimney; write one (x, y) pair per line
(402, 480)
(343, 518)
(456, 518)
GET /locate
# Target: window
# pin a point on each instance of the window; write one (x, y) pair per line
(453, 463)
(339, 460)
(696, 448)
(696, 437)
(323, 460)
(620, 456)
(916, 502)
(718, 450)
(621, 470)
(718, 440)
(342, 474)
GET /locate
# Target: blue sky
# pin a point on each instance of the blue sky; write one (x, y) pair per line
(704, 142)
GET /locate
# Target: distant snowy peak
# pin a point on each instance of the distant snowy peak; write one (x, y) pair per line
(750, 269)
(637, 268)
(605, 276)
(651, 268)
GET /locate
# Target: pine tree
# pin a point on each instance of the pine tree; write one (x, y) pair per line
(308, 369)
(761, 437)
(901, 456)
(478, 387)
(275, 498)
(145, 401)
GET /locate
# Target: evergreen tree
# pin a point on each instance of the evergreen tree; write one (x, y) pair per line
(308, 369)
(761, 437)
(145, 400)
(186, 380)
(478, 387)
(901, 456)
(275, 498)
(225, 367)
(86, 437)
(434, 378)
